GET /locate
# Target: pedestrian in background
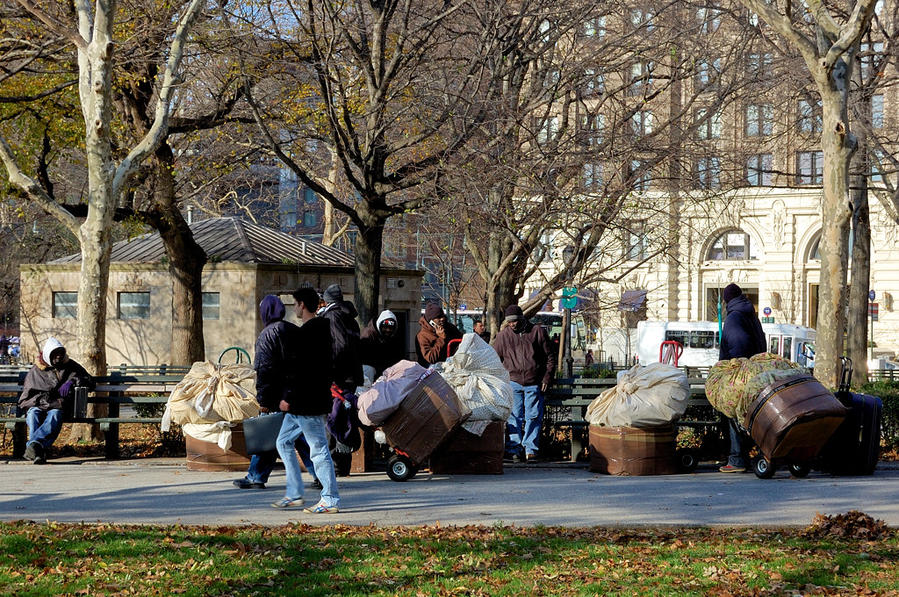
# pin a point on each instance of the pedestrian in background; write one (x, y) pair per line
(741, 337)
(382, 345)
(434, 336)
(527, 354)
(481, 330)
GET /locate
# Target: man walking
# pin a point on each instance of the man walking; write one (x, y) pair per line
(275, 356)
(306, 409)
(741, 337)
(527, 354)
(48, 385)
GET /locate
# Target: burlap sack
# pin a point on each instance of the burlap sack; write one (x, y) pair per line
(210, 393)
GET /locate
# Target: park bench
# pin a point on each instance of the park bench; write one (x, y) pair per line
(114, 390)
(567, 400)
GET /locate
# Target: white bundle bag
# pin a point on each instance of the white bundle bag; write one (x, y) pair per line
(643, 397)
(479, 379)
(210, 393)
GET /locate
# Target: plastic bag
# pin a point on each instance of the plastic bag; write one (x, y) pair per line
(210, 393)
(216, 433)
(727, 386)
(643, 397)
(476, 374)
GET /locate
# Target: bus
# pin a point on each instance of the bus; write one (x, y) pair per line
(552, 321)
(701, 341)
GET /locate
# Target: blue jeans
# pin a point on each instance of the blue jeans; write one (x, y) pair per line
(738, 445)
(262, 465)
(525, 420)
(43, 425)
(314, 430)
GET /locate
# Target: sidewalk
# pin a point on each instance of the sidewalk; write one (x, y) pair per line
(163, 491)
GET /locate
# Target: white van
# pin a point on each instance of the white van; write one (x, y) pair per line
(700, 341)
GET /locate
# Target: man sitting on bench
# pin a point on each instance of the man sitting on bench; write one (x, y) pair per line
(47, 386)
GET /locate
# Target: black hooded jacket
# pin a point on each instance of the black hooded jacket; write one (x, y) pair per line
(380, 351)
(341, 316)
(742, 336)
(276, 355)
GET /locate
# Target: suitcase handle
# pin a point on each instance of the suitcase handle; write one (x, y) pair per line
(845, 374)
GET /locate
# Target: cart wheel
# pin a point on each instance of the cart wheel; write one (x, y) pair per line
(799, 471)
(400, 468)
(686, 461)
(762, 468)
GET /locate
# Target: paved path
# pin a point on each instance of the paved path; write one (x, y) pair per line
(163, 491)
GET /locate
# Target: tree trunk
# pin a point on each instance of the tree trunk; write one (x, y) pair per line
(501, 284)
(368, 268)
(837, 146)
(859, 285)
(186, 261)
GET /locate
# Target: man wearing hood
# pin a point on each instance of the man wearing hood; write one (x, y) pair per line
(347, 374)
(434, 337)
(49, 383)
(382, 345)
(275, 364)
(741, 337)
(527, 354)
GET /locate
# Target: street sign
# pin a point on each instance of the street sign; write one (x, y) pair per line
(767, 310)
(873, 311)
(871, 296)
(463, 306)
(767, 320)
(569, 297)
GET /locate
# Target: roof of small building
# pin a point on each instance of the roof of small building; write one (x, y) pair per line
(231, 239)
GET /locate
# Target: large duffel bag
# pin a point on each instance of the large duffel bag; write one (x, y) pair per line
(793, 418)
(854, 448)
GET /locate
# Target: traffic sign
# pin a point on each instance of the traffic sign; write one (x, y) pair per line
(767, 310)
(569, 291)
(873, 311)
(872, 295)
(463, 306)
(569, 297)
(767, 320)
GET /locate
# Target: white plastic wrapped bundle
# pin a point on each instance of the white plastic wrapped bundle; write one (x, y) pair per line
(643, 397)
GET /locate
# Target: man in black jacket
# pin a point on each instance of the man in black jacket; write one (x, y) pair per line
(47, 386)
(382, 346)
(275, 356)
(742, 337)
(306, 409)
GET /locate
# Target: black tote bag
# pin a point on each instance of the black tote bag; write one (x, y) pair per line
(260, 433)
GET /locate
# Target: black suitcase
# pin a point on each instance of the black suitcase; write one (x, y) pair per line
(854, 448)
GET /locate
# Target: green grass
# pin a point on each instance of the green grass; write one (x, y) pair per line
(52, 558)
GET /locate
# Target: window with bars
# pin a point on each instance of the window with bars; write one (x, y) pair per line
(592, 126)
(759, 120)
(708, 173)
(641, 123)
(641, 175)
(593, 83)
(637, 241)
(733, 245)
(810, 167)
(211, 305)
(877, 111)
(708, 124)
(134, 305)
(640, 77)
(593, 176)
(65, 305)
(707, 73)
(759, 170)
(809, 117)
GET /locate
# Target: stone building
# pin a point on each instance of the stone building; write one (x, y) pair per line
(245, 263)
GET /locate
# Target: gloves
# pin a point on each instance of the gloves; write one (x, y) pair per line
(66, 388)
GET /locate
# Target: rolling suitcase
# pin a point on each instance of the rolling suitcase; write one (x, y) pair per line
(793, 418)
(854, 448)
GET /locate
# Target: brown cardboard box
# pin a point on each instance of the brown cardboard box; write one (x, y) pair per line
(468, 454)
(207, 456)
(425, 418)
(632, 451)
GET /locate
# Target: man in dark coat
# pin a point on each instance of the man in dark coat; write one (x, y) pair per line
(347, 363)
(49, 383)
(307, 407)
(742, 337)
(382, 346)
(434, 337)
(481, 330)
(275, 356)
(527, 354)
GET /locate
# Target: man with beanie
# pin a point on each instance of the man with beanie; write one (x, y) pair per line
(345, 351)
(382, 345)
(433, 338)
(275, 356)
(741, 337)
(527, 354)
(306, 409)
(49, 383)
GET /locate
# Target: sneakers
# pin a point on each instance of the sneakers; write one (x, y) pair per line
(729, 468)
(287, 502)
(31, 451)
(530, 457)
(321, 508)
(247, 484)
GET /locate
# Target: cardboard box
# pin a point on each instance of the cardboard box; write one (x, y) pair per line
(468, 454)
(634, 452)
(425, 418)
(208, 456)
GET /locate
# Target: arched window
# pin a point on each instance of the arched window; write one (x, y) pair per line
(814, 251)
(733, 245)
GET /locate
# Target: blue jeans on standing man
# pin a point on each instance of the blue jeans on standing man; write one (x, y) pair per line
(43, 425)
(314, 430)
(525, 420)
(262, 465)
